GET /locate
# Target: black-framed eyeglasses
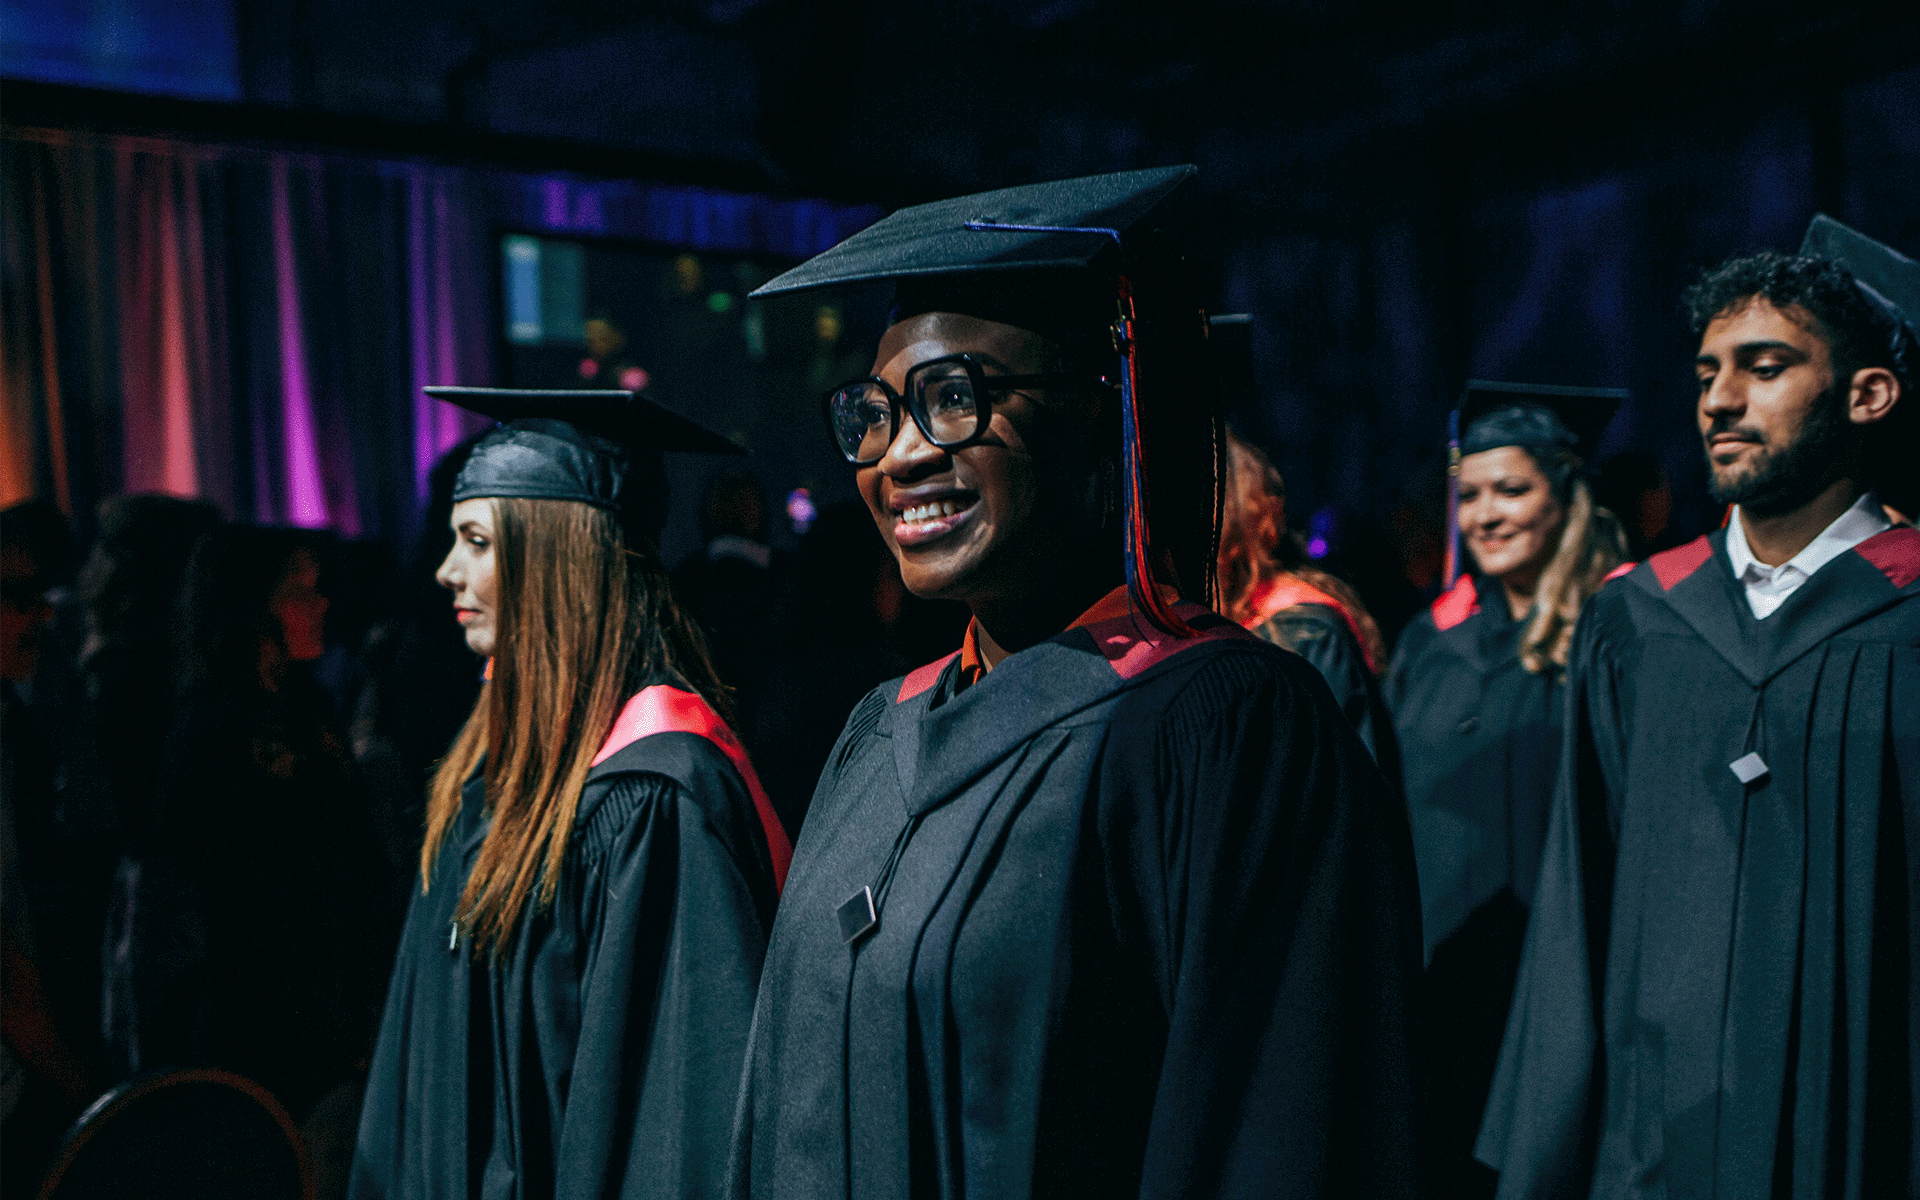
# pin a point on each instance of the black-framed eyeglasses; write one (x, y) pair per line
(949, 398)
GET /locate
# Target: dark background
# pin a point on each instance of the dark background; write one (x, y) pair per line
(237, 238)
(1404, 194)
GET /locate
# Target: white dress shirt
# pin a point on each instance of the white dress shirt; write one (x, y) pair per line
(1768, 587)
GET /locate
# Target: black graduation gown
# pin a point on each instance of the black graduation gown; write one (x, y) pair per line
(1718, 994)
(1151, 933)
(1480, 744)
(1320, 635)
(601, 1055)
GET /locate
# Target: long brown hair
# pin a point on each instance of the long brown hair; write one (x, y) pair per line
(1256, 549)
(1592, 544)
(585, 617)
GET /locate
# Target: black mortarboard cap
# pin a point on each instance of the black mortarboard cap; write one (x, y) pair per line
(1548, 416)
(597, 447)
(1892, 279)
(1041, 256)
(1889, 279)
(1064, 259)
(1062, 226)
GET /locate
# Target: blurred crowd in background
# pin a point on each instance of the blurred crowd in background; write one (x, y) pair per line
(216, 743)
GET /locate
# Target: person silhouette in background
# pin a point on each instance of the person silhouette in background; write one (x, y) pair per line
(251, 926)
(36, 560)
(606, 364)
(47, 1073)
(729, 585)
(420, 683)
(104, 698)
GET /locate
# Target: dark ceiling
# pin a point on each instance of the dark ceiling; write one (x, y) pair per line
(851, 99)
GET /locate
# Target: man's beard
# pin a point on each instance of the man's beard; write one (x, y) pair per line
(1787, 478)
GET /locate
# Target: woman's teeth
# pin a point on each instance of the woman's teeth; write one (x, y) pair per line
(939, 508)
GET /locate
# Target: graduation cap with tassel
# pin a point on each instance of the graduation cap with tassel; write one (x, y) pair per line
(1090, 263)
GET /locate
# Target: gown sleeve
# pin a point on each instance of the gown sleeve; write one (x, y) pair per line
(1538, 1118)
(668, 957)
(1267, 871)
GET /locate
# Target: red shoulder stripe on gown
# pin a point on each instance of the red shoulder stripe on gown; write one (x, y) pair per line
(1460, 602)
(921, 678)
(1896, 552)
(1672, 566)
(663, 709)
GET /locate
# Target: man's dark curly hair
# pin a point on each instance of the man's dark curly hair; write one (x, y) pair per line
(1858, 334)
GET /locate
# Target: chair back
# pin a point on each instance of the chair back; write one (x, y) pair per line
(196, 1134)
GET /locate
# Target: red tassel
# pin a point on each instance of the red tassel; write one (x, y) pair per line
(1139, 542)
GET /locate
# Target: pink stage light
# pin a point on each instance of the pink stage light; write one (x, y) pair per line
(306, 499)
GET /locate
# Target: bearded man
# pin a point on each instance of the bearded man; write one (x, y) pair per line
(1718, 991)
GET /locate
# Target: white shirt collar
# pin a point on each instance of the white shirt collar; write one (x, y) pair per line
(1862, 520)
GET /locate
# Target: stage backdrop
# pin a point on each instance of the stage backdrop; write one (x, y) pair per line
(254, 326)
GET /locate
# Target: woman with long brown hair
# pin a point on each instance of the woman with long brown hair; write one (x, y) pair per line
(574, 987)
(1268, 585)
(1477, 692)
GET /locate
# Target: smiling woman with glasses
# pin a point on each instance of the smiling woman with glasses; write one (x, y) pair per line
(1109, 902)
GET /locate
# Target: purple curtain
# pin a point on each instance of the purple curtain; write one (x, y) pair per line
(255, 326)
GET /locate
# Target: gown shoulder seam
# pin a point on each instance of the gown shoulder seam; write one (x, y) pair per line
(626, 793)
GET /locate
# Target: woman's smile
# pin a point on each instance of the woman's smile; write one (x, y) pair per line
(919, 521)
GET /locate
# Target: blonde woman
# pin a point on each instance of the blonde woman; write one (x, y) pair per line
(571, 1002)
(1476, 688)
